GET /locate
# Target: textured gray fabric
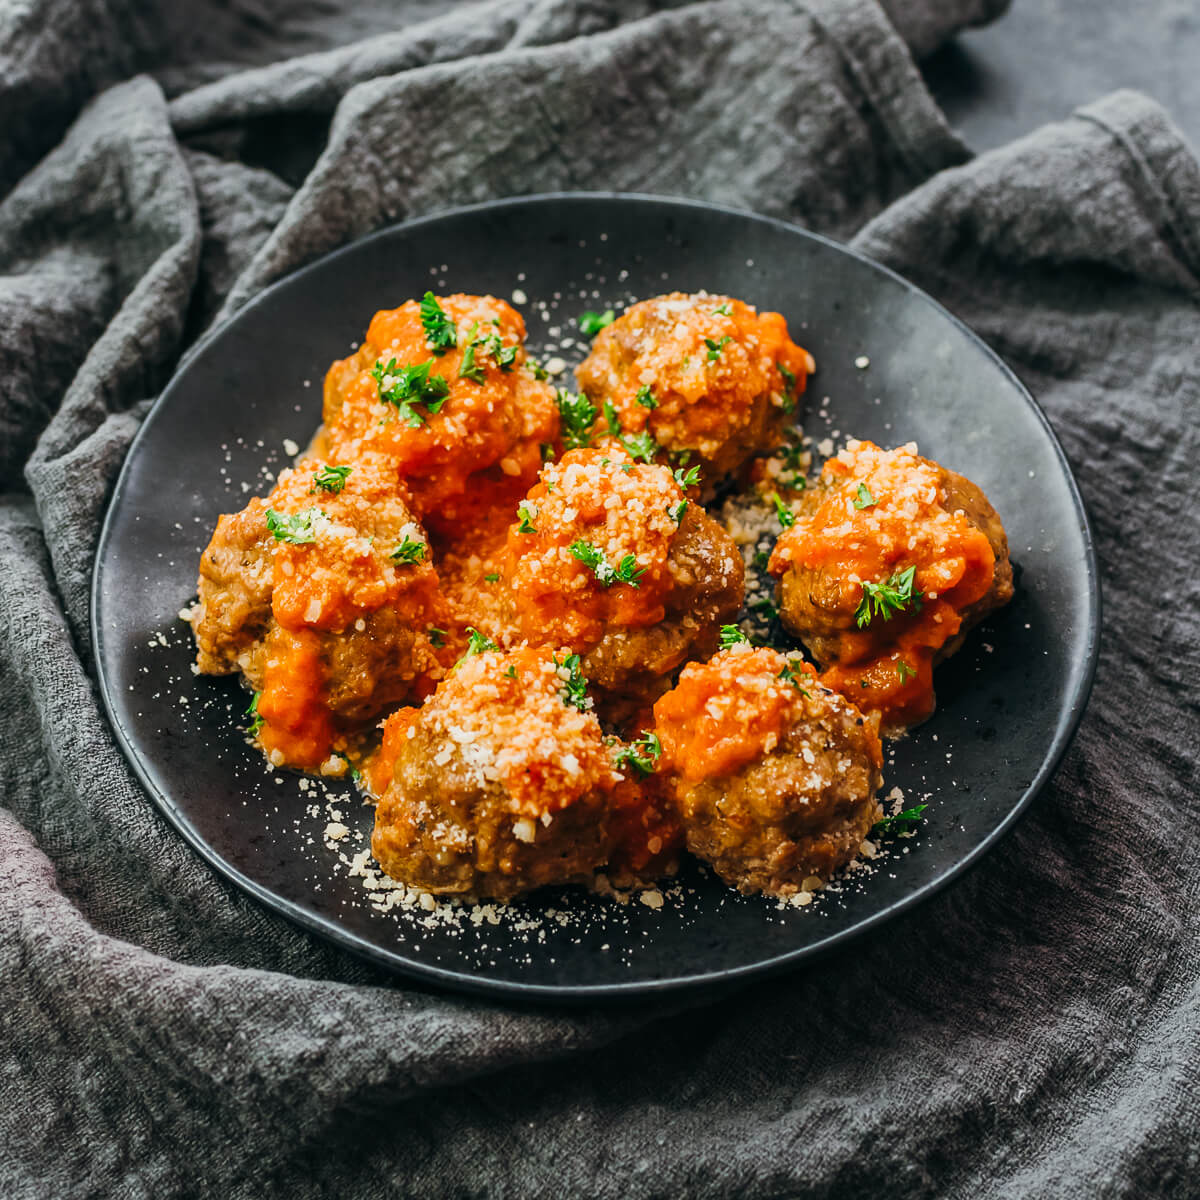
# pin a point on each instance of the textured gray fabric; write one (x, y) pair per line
(1029, 1033)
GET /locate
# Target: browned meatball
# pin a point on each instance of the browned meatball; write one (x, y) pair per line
(774, 775)
(888, 561)
(702, 374)
(610, 559)
(322, 596)
(501, 783)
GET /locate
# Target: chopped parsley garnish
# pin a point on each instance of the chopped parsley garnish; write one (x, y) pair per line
(578, 415)
(687, 479)
(409, 551)
(441, 334)
(477, 643)
(613, 421)
(905, 671)
(407, 386)
(469, 368)
(789, 387)
(330, 479)
(715, 347)
(511, 673)
(503, 355)
(766, 607)
(787, 518)
(437, 637)
(641, 446)
(526, 514)
(642, 754)
(863, 498)
(491, 577)
(910, 816)
(590, 323)
(574, 693)
(676, 511)
(547, 451)
(256, 722)
(790, 673)
(592, 557)
(722, 309)
(539, 372)
(888, 598)
(297, 529)
(645, 397)
(731, 635)
(761, 559)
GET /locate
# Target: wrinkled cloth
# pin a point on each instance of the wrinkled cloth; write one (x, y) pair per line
(1031, 1031)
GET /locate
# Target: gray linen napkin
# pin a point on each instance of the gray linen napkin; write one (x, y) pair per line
(1024, 1034)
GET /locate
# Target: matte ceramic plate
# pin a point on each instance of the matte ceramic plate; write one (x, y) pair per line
(1007, 704)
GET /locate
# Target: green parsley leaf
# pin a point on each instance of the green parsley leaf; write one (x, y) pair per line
(722, 309)
(590, 323)
(687, 479)
(761, 559)
(610, 416)
(888, 598)
(477, 643)
(642, 754)
(297, 529)
(676, 511)
(715, 347)
(407, 386)
(547, 451)
(539, 372)
(765, 606)
(789, 387)
(863, 498)
(592, 557)
(491, 577)
(787, 518)
(526, 514)
(256, 722)
(330, 479)
(641, 446)
(645, 397)
(905, 671)
(505, 356)
(790, 673)
(910, 816)
(437, 637)
(511, 673)
(469, 368)
(578, 415)
(441, 334)
(731, 635)
(574, 693)
(409, 551)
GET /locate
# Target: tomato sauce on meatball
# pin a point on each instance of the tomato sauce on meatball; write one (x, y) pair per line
(500, 782)
(703, 375)
(890, 559)
(774, 775)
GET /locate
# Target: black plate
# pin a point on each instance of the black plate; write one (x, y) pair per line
(1008, 704)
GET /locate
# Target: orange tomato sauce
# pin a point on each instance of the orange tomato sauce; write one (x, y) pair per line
(725, 713)
(875, 514)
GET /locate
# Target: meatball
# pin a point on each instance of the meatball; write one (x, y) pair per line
(501, 782)
(322, 595)
(608, 558)
(774, 775)
(889, 560)
(703, 375)
(443, 391)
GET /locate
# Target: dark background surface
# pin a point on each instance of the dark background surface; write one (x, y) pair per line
(1047, 57)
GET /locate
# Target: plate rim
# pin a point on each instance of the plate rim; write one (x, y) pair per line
(1066, 726)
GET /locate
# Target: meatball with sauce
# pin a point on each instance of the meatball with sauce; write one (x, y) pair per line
(322, 596)
(501, 783)
(704, 375)
(774, 775)
(442, 389)
(608, 558)
(890, 559)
